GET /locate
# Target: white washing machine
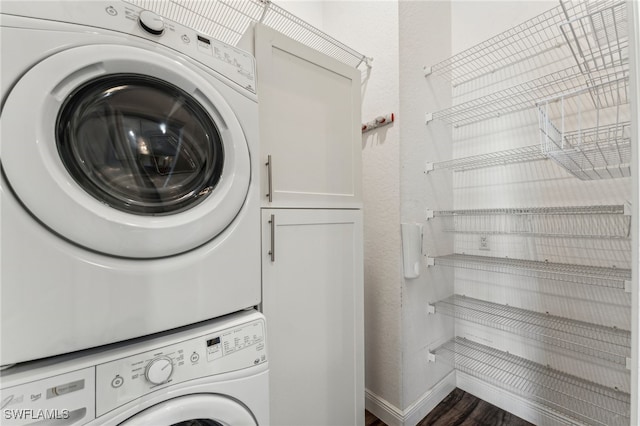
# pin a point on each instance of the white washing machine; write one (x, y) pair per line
(129, 188)
(211, 374)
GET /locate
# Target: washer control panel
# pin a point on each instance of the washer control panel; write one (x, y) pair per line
(63, 399)
(232, 349)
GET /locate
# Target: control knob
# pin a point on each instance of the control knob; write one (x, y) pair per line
(159, 370)
(151, 22)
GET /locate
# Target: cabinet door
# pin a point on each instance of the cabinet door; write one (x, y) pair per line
(313, 301)
(310, 125)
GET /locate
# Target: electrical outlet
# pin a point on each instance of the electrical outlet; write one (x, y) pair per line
(484, 242)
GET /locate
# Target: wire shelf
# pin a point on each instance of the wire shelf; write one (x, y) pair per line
(499, 158)
(567, 222)
(599, 152)
(605, 343)
(527, 40)
(584, 401)
(228, 20)
(598, 39)
(578, 274)
(527, 95)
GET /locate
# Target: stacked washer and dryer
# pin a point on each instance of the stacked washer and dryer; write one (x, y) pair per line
(130, 221)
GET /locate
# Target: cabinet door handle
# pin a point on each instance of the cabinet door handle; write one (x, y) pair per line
(269, 178)
(272, 251)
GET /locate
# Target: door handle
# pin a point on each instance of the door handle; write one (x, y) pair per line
(269, 178)
(272, 251)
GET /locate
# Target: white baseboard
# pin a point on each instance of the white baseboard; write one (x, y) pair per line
(393, 416)
(525, 409)
(383, 409)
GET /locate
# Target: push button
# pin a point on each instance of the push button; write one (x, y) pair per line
(117, 382)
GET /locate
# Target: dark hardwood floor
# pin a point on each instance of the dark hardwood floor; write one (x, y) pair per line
(462, 409)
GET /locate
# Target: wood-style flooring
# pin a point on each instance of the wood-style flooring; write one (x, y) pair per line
(462, 409)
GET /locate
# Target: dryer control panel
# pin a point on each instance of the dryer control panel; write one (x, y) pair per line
(232, 349)
(123, 17)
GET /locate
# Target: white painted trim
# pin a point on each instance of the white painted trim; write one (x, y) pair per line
(428, 401)
(393, 416)
(633, 11)
(383, 409)
(514, 404)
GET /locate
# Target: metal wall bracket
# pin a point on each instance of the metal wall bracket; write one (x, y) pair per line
(431, 261)
(627, 208)
(627, 286)
(431, 357)
(428, 117)
(428, 167)
(429, 213)
(431, 309)
(628, 363)
(427, 70)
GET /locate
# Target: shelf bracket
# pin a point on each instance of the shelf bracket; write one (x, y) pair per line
(427, 70)
(431, 309)
(429, 214)
(428, 167)
(627, 208)
(431, 261)
(431, 357)
(428, 117)
(628, 363)
(627, 286)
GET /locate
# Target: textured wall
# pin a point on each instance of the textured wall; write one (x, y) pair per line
(424, 41)
(372, 29)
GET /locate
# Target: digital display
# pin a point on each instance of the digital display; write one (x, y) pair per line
(204, 40)
(214, 341)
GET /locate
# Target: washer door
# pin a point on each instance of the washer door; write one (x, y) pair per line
(124, 151)
(194, 410)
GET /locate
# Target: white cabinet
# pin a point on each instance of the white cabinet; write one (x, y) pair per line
(312, 278)
(310, 125)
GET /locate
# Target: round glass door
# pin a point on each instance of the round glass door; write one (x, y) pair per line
(140, 144)
(194, 410)
(127, 151)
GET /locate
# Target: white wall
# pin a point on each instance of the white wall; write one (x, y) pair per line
(372, 29)
(634, 37)
(402, 37)
(425, 39)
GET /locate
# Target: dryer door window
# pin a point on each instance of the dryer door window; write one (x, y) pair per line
(140, 144)
(128, 152)
(198, 422)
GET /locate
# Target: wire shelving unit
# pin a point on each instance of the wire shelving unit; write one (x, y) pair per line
(598, 39)
(540, 35)
(228, 20)
(614, 278)
(605, 343)
(567, 222)
(585, 128)
(527, 95)
(600, 151)
(581, 400)
(498, 158)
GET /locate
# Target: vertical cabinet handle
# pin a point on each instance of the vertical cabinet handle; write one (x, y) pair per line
(272, 251)
(269, 178)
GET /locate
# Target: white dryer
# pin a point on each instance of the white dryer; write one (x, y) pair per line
(129, 188)
(211, 374)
